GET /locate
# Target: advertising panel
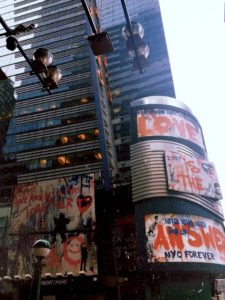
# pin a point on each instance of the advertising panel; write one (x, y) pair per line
(191, 175)
(56, 205)
(77, 254)
(165, 122)
(184, 238)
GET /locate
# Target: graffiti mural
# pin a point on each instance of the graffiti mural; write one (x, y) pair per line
(192, 175)
(56, 206)
(184, 238)
(61, 211)
(76, 254)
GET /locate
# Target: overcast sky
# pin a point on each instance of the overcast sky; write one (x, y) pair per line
(195, 33)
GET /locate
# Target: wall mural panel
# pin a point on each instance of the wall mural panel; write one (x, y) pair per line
(61, 211)
(46, 206)
(77, 254)
(192, 175)
(184, 238)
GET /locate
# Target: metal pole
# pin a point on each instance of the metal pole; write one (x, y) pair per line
(89, 16)
(37, 276)
(131, 33)
(5, 26)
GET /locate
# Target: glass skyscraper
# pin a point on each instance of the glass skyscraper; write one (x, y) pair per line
(47, 131)
(55, 135)
(70, 156)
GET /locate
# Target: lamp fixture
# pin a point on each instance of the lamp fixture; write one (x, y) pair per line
(41, 249)
(138, 50)
(99, 42)
(40, 64)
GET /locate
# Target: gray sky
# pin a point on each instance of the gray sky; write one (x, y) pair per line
(195, 33)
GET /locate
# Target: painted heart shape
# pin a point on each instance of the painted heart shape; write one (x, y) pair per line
(83, 203)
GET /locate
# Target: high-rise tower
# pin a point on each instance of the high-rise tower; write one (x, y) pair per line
(61, 125)
(73, 154)
(60, 143)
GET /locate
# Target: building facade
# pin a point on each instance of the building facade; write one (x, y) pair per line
(59, 143)
(78, 183)
(179, 219)
(8, 180)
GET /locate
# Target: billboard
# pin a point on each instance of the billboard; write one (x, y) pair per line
(184, 238)
(63, 204)
(168, 123)
(191, 175)
(76, 254)
(61, 211)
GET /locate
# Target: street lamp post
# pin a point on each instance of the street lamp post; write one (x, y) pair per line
(51, 75)
(41, 249)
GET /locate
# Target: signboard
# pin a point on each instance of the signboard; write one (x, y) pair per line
(184, 238)
(49, 206)
(168, 123)
(76, 254)
(191, 175)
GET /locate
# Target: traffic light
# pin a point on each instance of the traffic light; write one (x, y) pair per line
(11, 43)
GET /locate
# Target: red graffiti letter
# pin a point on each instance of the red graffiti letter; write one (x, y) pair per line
(175, 237)
(219, 239)
(208, 237)
(160, 240)
(162, 125)
(191, 132)
(197, 241)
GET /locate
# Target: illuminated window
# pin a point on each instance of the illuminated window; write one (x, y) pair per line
(116, 109)
(63, 160)
(43, 163)
(64, 139)
(82, 136)
(98, 155)
(96, 132)
(84, 100)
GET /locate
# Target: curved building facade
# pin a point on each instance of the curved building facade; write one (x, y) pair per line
(176, 194)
